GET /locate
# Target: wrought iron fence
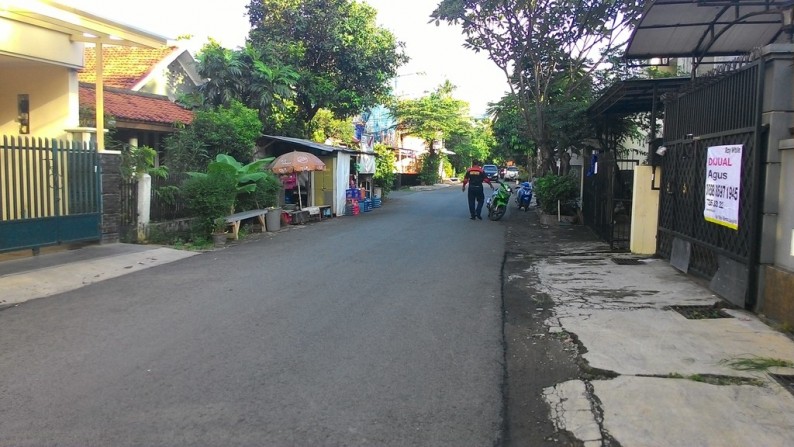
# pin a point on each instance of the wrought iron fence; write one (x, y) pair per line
(720, 112)
(607, 199)
(166, 203)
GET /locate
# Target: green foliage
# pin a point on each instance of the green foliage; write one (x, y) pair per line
(344, 61)
(433, 117)
(242, 75)
(430, 161)
(756, 363)
(384, 168)
(254, 187)
(449, 170)
(325, 126)
(231, 130)
(474, 142)
(553, 188)
(210, 197)
(264, 195)
(140, 160)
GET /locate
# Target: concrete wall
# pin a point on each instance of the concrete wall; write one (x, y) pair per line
(644, 212)
(776, 275)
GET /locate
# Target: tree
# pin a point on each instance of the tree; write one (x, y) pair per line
(324, 126)
(476, 142)
(242, 75)
(229, 130)
(509, 131)
(384, 168)
(343, 59)
(432, 118)
(548, 50)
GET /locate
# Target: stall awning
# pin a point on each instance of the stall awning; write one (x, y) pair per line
(634, 96)
(699, 28)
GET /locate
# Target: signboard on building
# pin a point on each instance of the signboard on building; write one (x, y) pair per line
(723, 185)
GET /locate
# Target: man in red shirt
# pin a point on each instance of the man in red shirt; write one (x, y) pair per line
(474, 178)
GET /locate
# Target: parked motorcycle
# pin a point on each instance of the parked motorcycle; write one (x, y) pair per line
(497, 203)
(524, 196)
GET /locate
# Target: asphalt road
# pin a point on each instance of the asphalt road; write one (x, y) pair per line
(380, 329)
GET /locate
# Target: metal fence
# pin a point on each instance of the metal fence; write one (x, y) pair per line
(607, 198)
(166, 203)
(50, 193)
(720, 110)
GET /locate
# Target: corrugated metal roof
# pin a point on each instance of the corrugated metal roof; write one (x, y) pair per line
(699, 28)
(311, 144)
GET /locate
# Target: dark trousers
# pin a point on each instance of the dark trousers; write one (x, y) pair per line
(476, 194)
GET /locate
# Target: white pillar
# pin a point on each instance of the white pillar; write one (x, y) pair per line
(644, 212)
(144, 204)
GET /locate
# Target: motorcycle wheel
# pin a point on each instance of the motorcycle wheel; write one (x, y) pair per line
(497, 212)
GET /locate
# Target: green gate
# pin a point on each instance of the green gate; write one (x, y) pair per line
(50, 193)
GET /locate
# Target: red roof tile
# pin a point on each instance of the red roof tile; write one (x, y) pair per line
(127, 105)
(123, 66)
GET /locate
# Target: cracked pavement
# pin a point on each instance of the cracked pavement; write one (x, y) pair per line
(594, 348)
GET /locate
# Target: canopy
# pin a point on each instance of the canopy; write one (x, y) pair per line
(699, 28)
(634, 96)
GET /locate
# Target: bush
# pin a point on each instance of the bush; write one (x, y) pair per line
(384, 168)
(210, 197)
(265, 195)
(553, 188)
(428, 175)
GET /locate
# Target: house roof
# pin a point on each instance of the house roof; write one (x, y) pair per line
(698, 28)
(126, 105)
(125, 67)
(81, 26)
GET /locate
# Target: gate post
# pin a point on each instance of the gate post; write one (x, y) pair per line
(110, 162)
(144, 204)
(776, 253)
(644, 212)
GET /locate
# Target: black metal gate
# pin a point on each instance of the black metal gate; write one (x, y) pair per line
(719, 110)
(607, 200)
(50, 193)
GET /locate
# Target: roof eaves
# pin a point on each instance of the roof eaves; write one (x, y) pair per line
(80, 25)
(311, 144)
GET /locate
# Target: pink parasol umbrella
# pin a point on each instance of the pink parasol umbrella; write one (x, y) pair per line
(297, 161)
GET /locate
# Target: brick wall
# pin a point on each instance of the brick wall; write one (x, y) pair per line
(111, 196)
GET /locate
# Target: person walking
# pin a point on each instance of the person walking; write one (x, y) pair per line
(474, 178)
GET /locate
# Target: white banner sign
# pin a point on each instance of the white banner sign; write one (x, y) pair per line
(723, 185)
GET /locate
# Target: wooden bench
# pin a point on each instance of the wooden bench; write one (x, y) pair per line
(235, 219)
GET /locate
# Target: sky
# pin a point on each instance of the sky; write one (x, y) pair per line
(436, 52)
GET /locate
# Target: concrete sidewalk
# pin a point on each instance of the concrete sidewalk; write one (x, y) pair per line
(651, 377)
(31, 277)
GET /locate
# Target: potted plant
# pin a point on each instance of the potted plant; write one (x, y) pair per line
(557, 196)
